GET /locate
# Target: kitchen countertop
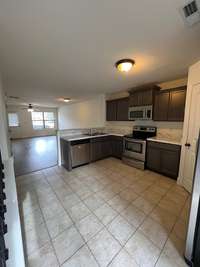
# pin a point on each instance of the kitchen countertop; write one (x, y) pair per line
(85, 136)
(164, 140)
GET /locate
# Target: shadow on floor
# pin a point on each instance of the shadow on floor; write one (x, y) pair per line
(33, 154)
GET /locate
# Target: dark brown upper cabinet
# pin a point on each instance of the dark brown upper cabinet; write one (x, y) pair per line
(169, 105)
(161, 104)
(142, 96)
(117, 110)
(177, 105)
(111, 110)
(122, 109)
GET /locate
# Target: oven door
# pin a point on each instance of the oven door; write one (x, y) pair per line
(134, 148)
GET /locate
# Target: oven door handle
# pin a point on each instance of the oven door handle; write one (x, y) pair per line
(135, 141)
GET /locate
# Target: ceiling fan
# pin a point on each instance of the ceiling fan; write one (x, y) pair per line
(30, 108)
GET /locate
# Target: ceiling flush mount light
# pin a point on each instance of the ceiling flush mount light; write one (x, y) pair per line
(30, 108)
(124, 65)
(66, 100)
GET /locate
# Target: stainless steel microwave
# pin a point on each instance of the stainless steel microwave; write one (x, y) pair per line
(140, 113)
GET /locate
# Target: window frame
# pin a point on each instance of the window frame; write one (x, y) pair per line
(13, 126)
(52, 120)
(44, 121)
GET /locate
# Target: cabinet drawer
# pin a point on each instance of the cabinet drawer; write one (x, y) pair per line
(100, 139)
(160, 145)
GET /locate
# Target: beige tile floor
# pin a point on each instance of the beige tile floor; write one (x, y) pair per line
(102, 214)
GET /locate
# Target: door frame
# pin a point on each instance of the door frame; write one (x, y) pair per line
(193, 80)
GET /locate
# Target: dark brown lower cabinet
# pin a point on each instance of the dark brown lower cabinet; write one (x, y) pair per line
(65, 154)
(163, 158)
(117, 146)
(100, 148)
(95, 151)
(103, 147)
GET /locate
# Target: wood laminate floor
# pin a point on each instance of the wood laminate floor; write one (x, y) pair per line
(33, 154)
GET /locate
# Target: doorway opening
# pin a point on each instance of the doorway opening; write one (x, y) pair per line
(34, 154)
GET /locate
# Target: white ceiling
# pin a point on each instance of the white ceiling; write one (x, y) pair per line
(50, 49)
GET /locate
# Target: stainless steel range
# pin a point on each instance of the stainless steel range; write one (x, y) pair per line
(134, 152)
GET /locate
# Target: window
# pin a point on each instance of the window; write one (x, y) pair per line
(37, 120)
(41, 120)
(13, 120)
(49, 120)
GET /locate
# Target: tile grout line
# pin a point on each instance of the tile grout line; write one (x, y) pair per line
(105, 226)
(170, 233)
(118, 214)
(92, 212)
(74, 225)
(43, 223)
(147, 215)
(47, 228)
(111, 220)
(161, 250)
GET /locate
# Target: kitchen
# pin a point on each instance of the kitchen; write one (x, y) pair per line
(145, 106)
(99, 133)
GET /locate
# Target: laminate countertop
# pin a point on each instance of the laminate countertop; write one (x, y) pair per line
(85, 136)
(164, 140)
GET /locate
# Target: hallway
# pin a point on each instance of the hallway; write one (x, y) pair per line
(33, 154)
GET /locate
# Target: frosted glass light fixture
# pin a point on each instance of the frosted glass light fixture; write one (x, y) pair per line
(124, 65)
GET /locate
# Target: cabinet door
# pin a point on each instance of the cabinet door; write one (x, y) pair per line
(177, 105)
(65, 154)
(106, 149)
(134, 99)
(111, 110)
(122, 109)
(161, 106)
(96, 151)
(153, 158)
(117, 147)
(147, 97)
(170, 163)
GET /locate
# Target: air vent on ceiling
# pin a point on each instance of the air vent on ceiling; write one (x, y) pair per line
(191, 12)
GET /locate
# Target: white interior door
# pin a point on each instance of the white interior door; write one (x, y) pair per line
(192, 137)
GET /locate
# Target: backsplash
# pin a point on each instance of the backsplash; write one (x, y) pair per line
(165, 130)
(171, 134)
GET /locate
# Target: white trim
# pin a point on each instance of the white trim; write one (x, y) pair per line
(13, 238)
(193, 79)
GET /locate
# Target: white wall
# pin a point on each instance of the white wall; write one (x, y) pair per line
(26, 129)
(4, 142)
(86, 114)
